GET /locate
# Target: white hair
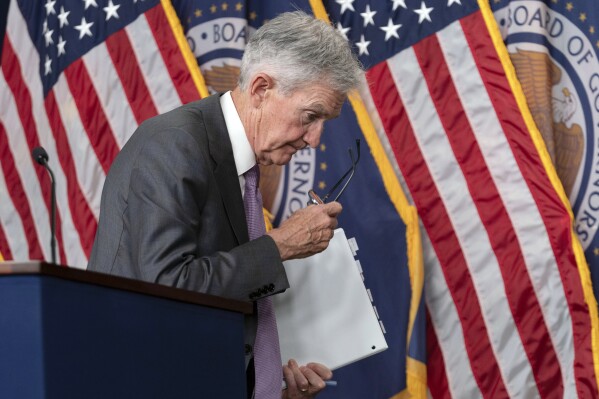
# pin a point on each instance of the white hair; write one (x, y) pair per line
(297, 50)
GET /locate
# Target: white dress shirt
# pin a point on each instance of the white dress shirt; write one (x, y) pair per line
(243, 154)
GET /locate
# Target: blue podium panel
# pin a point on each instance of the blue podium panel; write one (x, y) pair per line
(67, 339)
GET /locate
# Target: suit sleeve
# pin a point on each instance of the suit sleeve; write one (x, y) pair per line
(169, 206)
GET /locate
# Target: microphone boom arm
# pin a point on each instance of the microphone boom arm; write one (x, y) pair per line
(40, 156)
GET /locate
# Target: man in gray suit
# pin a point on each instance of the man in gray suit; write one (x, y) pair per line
(172, 206)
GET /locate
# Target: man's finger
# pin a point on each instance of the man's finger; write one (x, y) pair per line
(323, 371)
(300, 380)
(313, 379)
(333, 208)
(289, 378)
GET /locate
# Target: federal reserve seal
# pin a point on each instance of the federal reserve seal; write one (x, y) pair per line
(554, 50)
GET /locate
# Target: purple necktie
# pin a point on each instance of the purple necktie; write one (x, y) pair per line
(267, 355)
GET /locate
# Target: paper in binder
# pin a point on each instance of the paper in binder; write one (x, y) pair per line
(326, 315)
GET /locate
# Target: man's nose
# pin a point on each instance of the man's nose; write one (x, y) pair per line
(312, 136)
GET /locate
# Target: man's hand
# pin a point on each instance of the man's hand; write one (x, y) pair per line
(307, 232)
(305, 381)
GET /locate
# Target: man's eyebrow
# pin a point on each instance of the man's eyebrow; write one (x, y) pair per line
(320, 109)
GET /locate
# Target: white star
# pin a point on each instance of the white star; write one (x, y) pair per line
(424, 13)
(48, 37)
(90, 3)
(363, 46)
(111, 10)
(60, 46)
(45, 27)
(397, 3)
(368, 16)
(62, 17)
(48, 66)
(343, 30)
(450, 2)
(50, 7)
(84, 28)
(390, 30)
(346, 5)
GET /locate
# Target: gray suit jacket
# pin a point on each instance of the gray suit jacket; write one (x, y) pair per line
(172, 211)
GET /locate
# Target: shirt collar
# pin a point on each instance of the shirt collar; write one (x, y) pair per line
(242, 151)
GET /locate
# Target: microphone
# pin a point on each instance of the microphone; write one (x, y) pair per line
(40, 156)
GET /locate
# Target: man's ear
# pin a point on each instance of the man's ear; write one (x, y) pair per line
(261, 86)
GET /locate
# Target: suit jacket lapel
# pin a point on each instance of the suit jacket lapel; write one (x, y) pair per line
(225, 170)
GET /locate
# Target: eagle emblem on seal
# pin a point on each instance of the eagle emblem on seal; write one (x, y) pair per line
(564, 140)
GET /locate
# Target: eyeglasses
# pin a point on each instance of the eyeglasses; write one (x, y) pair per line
(314, 199)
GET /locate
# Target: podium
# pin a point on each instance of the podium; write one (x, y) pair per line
(68, 333)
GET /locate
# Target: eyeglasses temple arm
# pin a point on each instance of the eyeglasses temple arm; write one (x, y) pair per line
(351, 170)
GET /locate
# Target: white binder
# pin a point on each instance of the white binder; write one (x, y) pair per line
(326, 315)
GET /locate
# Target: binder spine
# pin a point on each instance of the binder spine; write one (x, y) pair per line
(353, 245)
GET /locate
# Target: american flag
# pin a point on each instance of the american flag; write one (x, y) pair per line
(508, 293)
(78, 77)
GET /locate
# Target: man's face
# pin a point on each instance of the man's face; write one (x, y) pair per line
(284, 124)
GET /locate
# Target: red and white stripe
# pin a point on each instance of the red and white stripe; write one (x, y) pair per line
(95, 106)
(502, 286)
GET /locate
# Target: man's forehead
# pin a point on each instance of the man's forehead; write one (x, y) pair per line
(326, 103)
(328, 109)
